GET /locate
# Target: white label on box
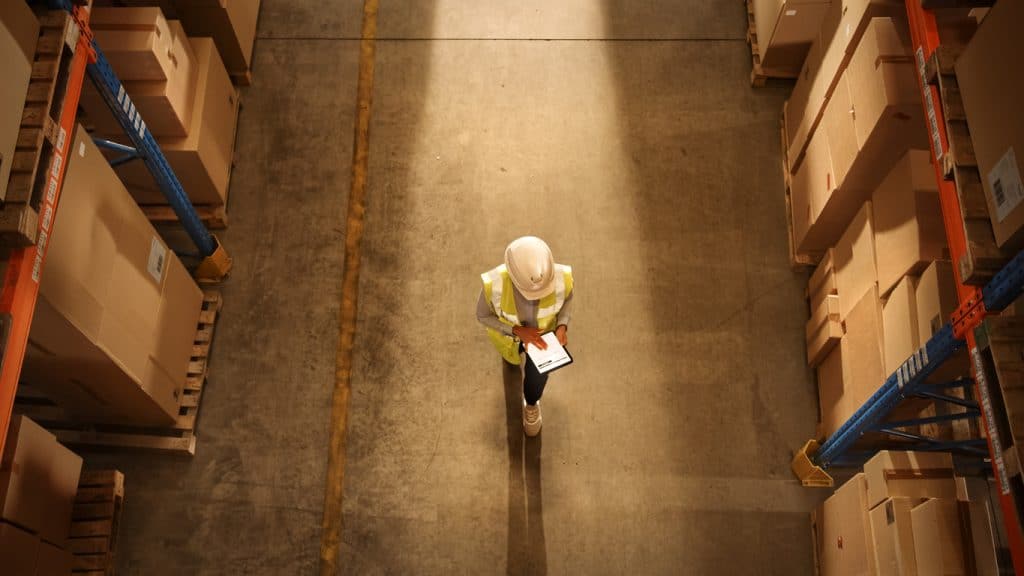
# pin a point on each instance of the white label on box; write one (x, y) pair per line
(790, 12)
(1004, 185)
(81, 149)
(157, 260)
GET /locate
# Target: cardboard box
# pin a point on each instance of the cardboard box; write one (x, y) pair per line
(137, 42)
(19, 550)
(19, 31)
(854, 369)
(936, 298)
(872, 118)
(842, 28)
(231, 24)
(846, 532)
(899, 324)
(166, 106)
(907, 218)
(991, 97)
(53, 561)
(898, 474)
(937, 538)
(855, 261)
(202, 161)
(894, 537)
(785, 31)
(810, 190)
(823, 279)
(117, 314)
(38, 481)
(824, 329)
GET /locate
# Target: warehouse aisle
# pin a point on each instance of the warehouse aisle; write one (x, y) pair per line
(626, 134)
(652, 168)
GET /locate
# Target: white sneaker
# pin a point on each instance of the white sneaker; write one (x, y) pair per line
(532, 419)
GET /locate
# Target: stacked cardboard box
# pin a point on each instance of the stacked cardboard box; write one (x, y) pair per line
(905, 514)
(38, 484)
(870, 288)
(231, 24)
(117, 312)
(183, 94)
(872, 117)
(19, 31)
(785, 30)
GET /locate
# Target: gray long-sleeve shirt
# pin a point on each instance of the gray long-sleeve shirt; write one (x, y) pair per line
(526, 311)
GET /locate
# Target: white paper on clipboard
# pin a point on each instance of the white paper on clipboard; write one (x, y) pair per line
(554, 357)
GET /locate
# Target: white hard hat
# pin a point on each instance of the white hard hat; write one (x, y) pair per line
(531, 266)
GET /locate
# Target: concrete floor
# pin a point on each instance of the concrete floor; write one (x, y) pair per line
(625, 133)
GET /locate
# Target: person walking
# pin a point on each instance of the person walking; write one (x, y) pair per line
(521, 300)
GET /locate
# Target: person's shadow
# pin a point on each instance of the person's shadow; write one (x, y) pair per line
(527, 552)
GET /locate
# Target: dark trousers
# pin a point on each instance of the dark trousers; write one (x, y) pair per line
(533, 381)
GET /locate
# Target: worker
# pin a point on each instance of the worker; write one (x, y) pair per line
(521, 300)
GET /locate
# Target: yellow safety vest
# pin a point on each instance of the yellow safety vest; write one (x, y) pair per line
(499, 292)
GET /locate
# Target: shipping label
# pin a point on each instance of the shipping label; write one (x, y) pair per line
(1004, 185)
(157, 260)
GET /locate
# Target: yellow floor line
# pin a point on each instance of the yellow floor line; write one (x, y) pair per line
(330, 538)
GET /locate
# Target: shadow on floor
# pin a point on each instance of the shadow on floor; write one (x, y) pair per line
(527, 551)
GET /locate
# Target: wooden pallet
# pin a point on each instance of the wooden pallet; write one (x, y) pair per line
(214, 217)
(95, 522)
(39, 130)
(179, 438)
(983, 258)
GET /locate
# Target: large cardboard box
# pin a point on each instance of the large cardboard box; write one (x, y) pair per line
(53, 561)
(846, 532)
(810, 190)
(894, 537)
(19, 550)
(909, 232)
(854, 369)
(873, 117)
(202, 160)
(137, 42)
(785, 31)
(19, 31)
(842, 28)
(116, 318)
(898, 474)
(992, 101)
(855, 261)
(231, 24)
(38, 481)
(166, 105)
(899, 324)
(936, 298)
(937, 538)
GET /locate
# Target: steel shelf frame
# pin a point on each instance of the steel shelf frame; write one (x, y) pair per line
(813, 459)
(20, 288)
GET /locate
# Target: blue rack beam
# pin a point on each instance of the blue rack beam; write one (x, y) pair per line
(216, 262)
